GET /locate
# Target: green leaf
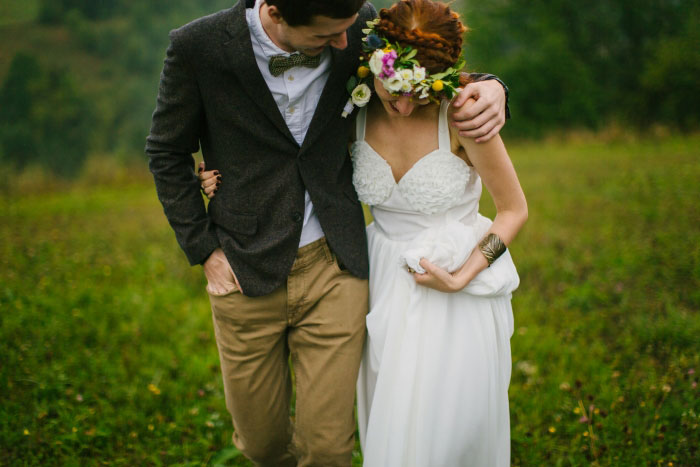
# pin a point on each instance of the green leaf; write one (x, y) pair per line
(352, 83)
(411, 54)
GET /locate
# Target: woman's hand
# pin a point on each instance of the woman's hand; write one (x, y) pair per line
(439, 279)
(209, 181)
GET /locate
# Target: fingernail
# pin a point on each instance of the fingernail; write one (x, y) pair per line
(218, 177)
(218, 183)
(216, 172)
(216, 190)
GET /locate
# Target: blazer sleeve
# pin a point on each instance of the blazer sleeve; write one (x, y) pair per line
(174, 137)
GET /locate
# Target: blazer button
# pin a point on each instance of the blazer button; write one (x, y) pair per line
(296, 217)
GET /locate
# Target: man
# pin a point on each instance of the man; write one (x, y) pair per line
(283, 243)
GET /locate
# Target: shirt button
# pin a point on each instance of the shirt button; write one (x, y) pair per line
(296, 217)
(291, 78)
(292, 109)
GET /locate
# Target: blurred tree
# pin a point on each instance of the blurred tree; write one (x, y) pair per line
(45, 120)
(572, 64)
(54, 11)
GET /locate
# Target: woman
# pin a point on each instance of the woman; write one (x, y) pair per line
(433, 386)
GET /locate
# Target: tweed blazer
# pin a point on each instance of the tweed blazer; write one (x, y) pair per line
(212, 96)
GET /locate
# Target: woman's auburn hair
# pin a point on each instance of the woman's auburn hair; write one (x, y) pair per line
(431, 28)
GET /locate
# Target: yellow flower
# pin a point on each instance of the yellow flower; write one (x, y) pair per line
(151, 427)
(552, 429)
(154, 389)
(387, 49)
(26, 432)
(577, 410)
(585, 434)
(75, 430)
(363, 72)
(438, 86)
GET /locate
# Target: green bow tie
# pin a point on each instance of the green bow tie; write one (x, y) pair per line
(281, 63)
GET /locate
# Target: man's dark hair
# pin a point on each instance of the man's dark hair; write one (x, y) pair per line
(300, 12)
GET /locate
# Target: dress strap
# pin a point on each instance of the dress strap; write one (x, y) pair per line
(443, 128)
(360, 124)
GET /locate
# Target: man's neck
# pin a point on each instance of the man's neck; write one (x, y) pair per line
(272, 29)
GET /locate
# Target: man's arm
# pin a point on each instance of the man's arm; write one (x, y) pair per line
(174, 137)
(484, 118)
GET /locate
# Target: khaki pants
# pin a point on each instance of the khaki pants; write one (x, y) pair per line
(318, 318)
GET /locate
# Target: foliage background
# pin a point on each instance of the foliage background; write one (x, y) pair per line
(106, 349)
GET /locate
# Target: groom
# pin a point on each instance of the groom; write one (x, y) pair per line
(283, 242)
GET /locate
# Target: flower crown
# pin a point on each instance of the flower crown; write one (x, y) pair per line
(399, 72)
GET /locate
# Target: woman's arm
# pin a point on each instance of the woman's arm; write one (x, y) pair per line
(491, 161)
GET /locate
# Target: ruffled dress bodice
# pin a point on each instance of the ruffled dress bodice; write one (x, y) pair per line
(433, 208)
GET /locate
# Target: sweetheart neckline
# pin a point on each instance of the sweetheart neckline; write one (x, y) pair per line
(391, 172)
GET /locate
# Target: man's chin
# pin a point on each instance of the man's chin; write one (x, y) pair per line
(313, 52)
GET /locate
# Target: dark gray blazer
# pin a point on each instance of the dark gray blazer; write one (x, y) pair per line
(213, 95)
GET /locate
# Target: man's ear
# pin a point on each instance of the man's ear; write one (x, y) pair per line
(274, 13)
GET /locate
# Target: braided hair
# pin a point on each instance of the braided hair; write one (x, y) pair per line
(428, 26)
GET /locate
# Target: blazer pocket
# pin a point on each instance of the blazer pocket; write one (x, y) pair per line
(246, 224)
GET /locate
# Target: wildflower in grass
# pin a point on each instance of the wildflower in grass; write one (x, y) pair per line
(154, 389)
(585, 434)
(577, 410)
(583, 419)
(151, 427)
(691, 371)
(133, 434)
(79, 398)
(26, 432)
(642, 404)
(565, 386)
(666, 388)
(75, 430)
(552, 429)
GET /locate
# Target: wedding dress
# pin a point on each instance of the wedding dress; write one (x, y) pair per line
(433, 385)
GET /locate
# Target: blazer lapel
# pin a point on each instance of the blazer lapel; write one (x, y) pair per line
(238, 51)
(333, 92)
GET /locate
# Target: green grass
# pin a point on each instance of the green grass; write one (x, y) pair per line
(108, 356)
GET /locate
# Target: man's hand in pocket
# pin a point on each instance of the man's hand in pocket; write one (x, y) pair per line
(220, 276)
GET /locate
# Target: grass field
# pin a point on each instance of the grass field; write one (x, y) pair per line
(107, 353)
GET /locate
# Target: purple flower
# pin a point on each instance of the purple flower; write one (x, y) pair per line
(388, 64)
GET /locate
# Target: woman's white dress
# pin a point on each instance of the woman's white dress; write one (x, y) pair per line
(433, 385)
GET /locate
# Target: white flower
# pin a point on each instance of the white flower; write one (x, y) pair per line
(418, 74)
(360, 95)
(375, 63)
(406, 74)
(393, 84)
(422, 90)
(406, 86)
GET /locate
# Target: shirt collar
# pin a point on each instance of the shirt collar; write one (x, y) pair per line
(268, 47)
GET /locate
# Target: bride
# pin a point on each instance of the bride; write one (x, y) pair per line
(433, 384)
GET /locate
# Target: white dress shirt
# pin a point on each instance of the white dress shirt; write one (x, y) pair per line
(296, 92)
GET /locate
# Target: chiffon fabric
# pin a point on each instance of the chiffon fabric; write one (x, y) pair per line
(433, 384)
